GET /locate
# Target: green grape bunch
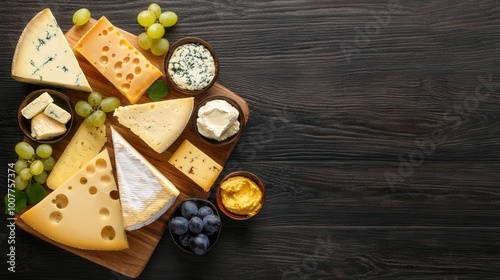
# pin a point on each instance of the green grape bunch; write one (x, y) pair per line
(154, 22)
(94, 109)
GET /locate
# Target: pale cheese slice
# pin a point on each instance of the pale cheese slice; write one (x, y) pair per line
(43, 56)
(158, 124)
(145, 193)
(85, 144)
(85, 211)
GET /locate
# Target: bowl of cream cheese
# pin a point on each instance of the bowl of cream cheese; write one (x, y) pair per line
(218, 119)
(191, 65)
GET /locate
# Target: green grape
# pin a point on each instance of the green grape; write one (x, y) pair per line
(20, 184)
(95, 98)
(20, 165)
(109, 104)
(160, 46)
(41, 178)
(36, 167)
(146, 18)
(48, 163)
(81, 17)
(97, 118)
(155, 8)
(24, 150)
(145, 41)
(83, 108)
(156, 31)
(44, 150)
(168, 19)
(25, 174)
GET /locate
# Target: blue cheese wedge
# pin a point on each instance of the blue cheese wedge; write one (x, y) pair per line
(191, 66)
(57, 113)
(37, 106)
(145, 193)
(43, 127)
(43, 56)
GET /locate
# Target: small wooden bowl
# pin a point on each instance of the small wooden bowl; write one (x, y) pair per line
(241, 120)
(171, 50)
(177, 212)
(250, 176)
(60, 99)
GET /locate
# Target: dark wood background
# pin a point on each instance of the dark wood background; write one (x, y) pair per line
(374, 124)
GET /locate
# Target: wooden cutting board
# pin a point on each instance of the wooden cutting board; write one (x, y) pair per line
(131, 262)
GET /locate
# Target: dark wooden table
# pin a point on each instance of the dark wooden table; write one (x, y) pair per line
(374, 124)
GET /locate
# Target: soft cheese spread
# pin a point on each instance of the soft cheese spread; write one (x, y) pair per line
(240, 195)
(218, 120)
(191, 66)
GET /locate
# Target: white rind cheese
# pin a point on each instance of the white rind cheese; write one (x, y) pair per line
(43, 127)
(158, 124)
(145, 193)
(37, 106)
(43, 56)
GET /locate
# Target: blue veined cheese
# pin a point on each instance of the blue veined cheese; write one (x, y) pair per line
(191, 66)
(43, 56)
(37, 106)
(57, 113)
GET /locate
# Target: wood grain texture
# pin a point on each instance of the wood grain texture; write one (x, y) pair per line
(325, 127)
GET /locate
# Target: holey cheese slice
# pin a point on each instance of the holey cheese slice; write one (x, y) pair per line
(43, 56)
(85, 144)
(145, 194)
(117, 60)
(157, 123)
(85, 211)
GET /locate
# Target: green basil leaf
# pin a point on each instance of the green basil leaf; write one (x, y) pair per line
(19, 199)
(35, 193)
(158, 90)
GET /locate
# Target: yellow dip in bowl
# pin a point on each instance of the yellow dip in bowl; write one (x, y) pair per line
(241, 195)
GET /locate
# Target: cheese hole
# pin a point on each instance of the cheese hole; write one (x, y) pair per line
(105, 179)
(123, 43)
(105, 49)
(129, 77)
(55, 217)
(104, 60)
(101, 163)
(92, 190)
(113, 55)
(125, 86)
(118, 65)
(114, 195)
(104, 212)
(131, 48)
(118, 33)
(105, 32)
(135, 61)
(126, 59)
(70, 188)
(147, 65)
(138, 70)
(83, 180)
(119, 75)
(61, 201)
(108, 233)
(90, 169)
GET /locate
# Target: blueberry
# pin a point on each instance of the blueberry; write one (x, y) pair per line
(178, 225)
(189, 209)
(184, 239)
(195, 224)
(204, 211)
(211, 223)
(199, 244)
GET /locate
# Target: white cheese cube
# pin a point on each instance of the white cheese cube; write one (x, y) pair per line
(57, 113)
(37, 106)
(43, 127)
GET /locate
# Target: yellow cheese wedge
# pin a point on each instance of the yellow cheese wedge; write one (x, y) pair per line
(43, 56)
(118, 60)
(85, 211)
(158, 124)
(195, 164)
(85, 144)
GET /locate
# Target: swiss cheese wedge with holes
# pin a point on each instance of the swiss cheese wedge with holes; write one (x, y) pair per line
(117, 60)
(85, 211)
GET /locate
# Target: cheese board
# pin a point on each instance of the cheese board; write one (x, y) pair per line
(142, 242)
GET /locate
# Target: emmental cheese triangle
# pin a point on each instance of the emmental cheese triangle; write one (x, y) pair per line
(85, 211)
(158, 124)
(43, 56)
(145, 193)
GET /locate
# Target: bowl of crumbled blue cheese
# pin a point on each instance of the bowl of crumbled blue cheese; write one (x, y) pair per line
(191, 65)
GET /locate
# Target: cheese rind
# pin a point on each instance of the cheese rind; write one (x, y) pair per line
(57, 113)
(85, 144)
(195, 164)
(117, 59)
(37, 105)
(43, 127)
(145, 193)
(43, 56)
(158, 124)
(85, 211)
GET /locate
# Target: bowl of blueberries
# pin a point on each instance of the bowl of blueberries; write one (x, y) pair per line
(195, 226)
